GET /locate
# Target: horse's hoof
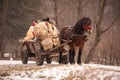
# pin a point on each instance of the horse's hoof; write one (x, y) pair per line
(76, 64)
(68, 63)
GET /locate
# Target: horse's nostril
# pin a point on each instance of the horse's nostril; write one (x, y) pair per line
(90, 31)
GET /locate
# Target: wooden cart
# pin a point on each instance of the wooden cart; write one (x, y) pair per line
(34, 49)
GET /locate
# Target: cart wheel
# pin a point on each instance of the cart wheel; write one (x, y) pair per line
(24, 56)
(63, 60)
(39, 58)
(48, 59)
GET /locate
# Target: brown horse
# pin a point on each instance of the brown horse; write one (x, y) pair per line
(78, 37)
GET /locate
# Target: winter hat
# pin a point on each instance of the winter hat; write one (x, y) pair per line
(46, 19)
(34, 23)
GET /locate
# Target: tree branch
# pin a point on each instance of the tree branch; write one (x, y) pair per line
(110, 25)
(29, 8)
(98, 30)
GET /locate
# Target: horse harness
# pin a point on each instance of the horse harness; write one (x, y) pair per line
(72, 34)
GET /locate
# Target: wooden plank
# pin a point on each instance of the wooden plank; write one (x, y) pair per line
(56, 55)
(57, 47)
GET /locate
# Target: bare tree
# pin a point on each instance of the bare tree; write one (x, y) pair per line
(56, 13)
(3, 26)
(29, 8)
(99, 31)
(79, 9)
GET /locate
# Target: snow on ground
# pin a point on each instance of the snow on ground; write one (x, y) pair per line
(9, 62)
(6, 63)
(56, 71)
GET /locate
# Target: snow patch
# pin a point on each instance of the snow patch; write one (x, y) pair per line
(58, 72)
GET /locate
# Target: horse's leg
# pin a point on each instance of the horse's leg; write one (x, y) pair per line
(79, 56)
(67, 48)
(76, 55)
(71, 56)
(68, 61)
(60, 57)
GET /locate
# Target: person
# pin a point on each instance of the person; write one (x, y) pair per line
(55, 34)
(53, 31)
(47, 33)
(42, 33)
(30, 34)
(46, 19)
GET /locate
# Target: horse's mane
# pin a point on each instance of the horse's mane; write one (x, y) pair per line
(78, 27)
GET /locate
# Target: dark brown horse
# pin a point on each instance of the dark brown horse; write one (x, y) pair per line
(78, 37)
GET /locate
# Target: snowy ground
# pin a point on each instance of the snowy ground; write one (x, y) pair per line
(15, 70)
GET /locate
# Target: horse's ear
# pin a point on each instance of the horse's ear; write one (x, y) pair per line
(83, 20)
(83, 17)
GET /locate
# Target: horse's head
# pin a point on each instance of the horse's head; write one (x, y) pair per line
(86, 24)
(83, 25)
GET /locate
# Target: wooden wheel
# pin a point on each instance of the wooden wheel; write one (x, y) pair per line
(24, 55)
(39, 58)
(48, 59)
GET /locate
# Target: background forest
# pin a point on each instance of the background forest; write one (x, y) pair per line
(103, 45)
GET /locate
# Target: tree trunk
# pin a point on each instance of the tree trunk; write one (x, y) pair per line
(79, 9)
(92, 50)
(98, 31)
(56, 14)
(2, 49)
(3, 26)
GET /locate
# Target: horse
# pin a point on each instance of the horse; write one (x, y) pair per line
(76, 34)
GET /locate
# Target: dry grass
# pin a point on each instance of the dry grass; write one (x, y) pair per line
(16, 68)
(4, 73)
(9, 69)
